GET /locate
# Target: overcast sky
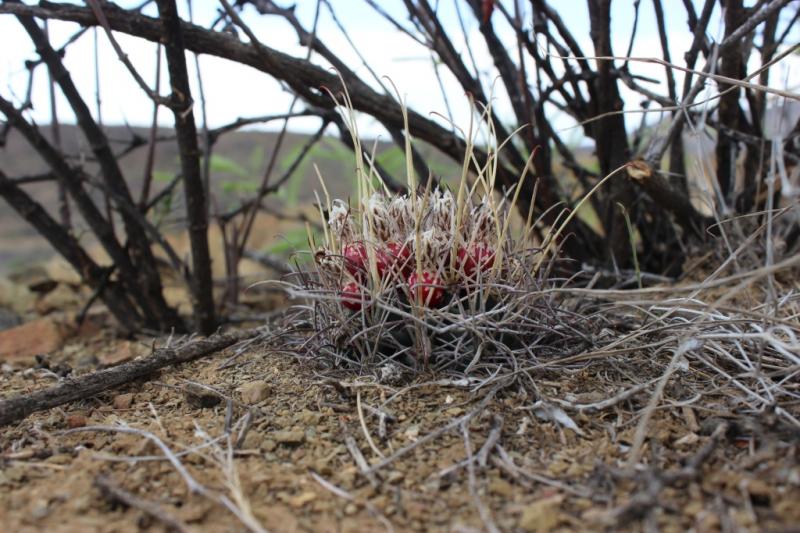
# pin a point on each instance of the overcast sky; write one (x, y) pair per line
(234, 91)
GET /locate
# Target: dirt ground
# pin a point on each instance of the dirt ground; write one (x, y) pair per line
(290, 449)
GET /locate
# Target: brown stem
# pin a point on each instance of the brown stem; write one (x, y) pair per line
(55, 131)
(609, 134)
(194, 192)
(153, 304)
(73, 182)
(732, 66)
(151, 143)
(677, 168)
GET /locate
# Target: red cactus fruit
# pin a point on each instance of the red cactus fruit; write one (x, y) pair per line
(426, 287)
(394, 259)
(478, 257)
(353, 296)
(355, 259)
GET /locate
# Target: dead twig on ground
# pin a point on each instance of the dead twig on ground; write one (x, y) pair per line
(16, 409)
(116, 493)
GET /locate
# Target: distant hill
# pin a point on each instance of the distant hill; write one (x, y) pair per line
(238, 165)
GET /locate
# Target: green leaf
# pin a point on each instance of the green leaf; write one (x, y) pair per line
(256, 159)
(223, 164)
(239, 186)
(162, 176)
(393, 160)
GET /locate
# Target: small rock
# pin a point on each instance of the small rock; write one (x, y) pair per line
(301, 499)
(200, 397)
(758, 488)
(18, 298)
(394, 477)
(76, 421)
(62, 297)
(310, 418)
(412, 433)
(254, 392)
(252, 441)
(60, 459)
(33, 277)
(81, 503)
(289, 437)
(13, 474)
(350, 509)
(59, 270)
(687, 440)
(178, 298)
(501, 487)
(125, 352)
(39, 336)
(543, 515)
(269, 445)
(40, 510)
(123, 401)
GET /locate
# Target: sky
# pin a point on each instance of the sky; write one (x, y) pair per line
(234, 91)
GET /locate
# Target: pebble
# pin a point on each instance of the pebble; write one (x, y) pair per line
(302, 499)
(14, 474)
(60, 459)
(40, 510)
(76, 421)
(81, 503)
(254, 392)
(200, 397)
(501, 487)
(542, 515)
(289, 437)
(252, 441)
(395, 476)
(123, 401)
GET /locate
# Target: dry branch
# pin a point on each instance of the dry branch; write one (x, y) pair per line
(193, 188)
(144, 266)
(66, 244)
(87, 386)
(309, 80)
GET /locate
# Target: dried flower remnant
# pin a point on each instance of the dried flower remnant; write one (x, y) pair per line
(340, 222)
(378, 218)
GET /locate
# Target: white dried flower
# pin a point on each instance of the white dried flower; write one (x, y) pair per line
(482, 223)
(401, 217)
(434, 245)
(443, 208)
(340, 222)
(377, 215)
